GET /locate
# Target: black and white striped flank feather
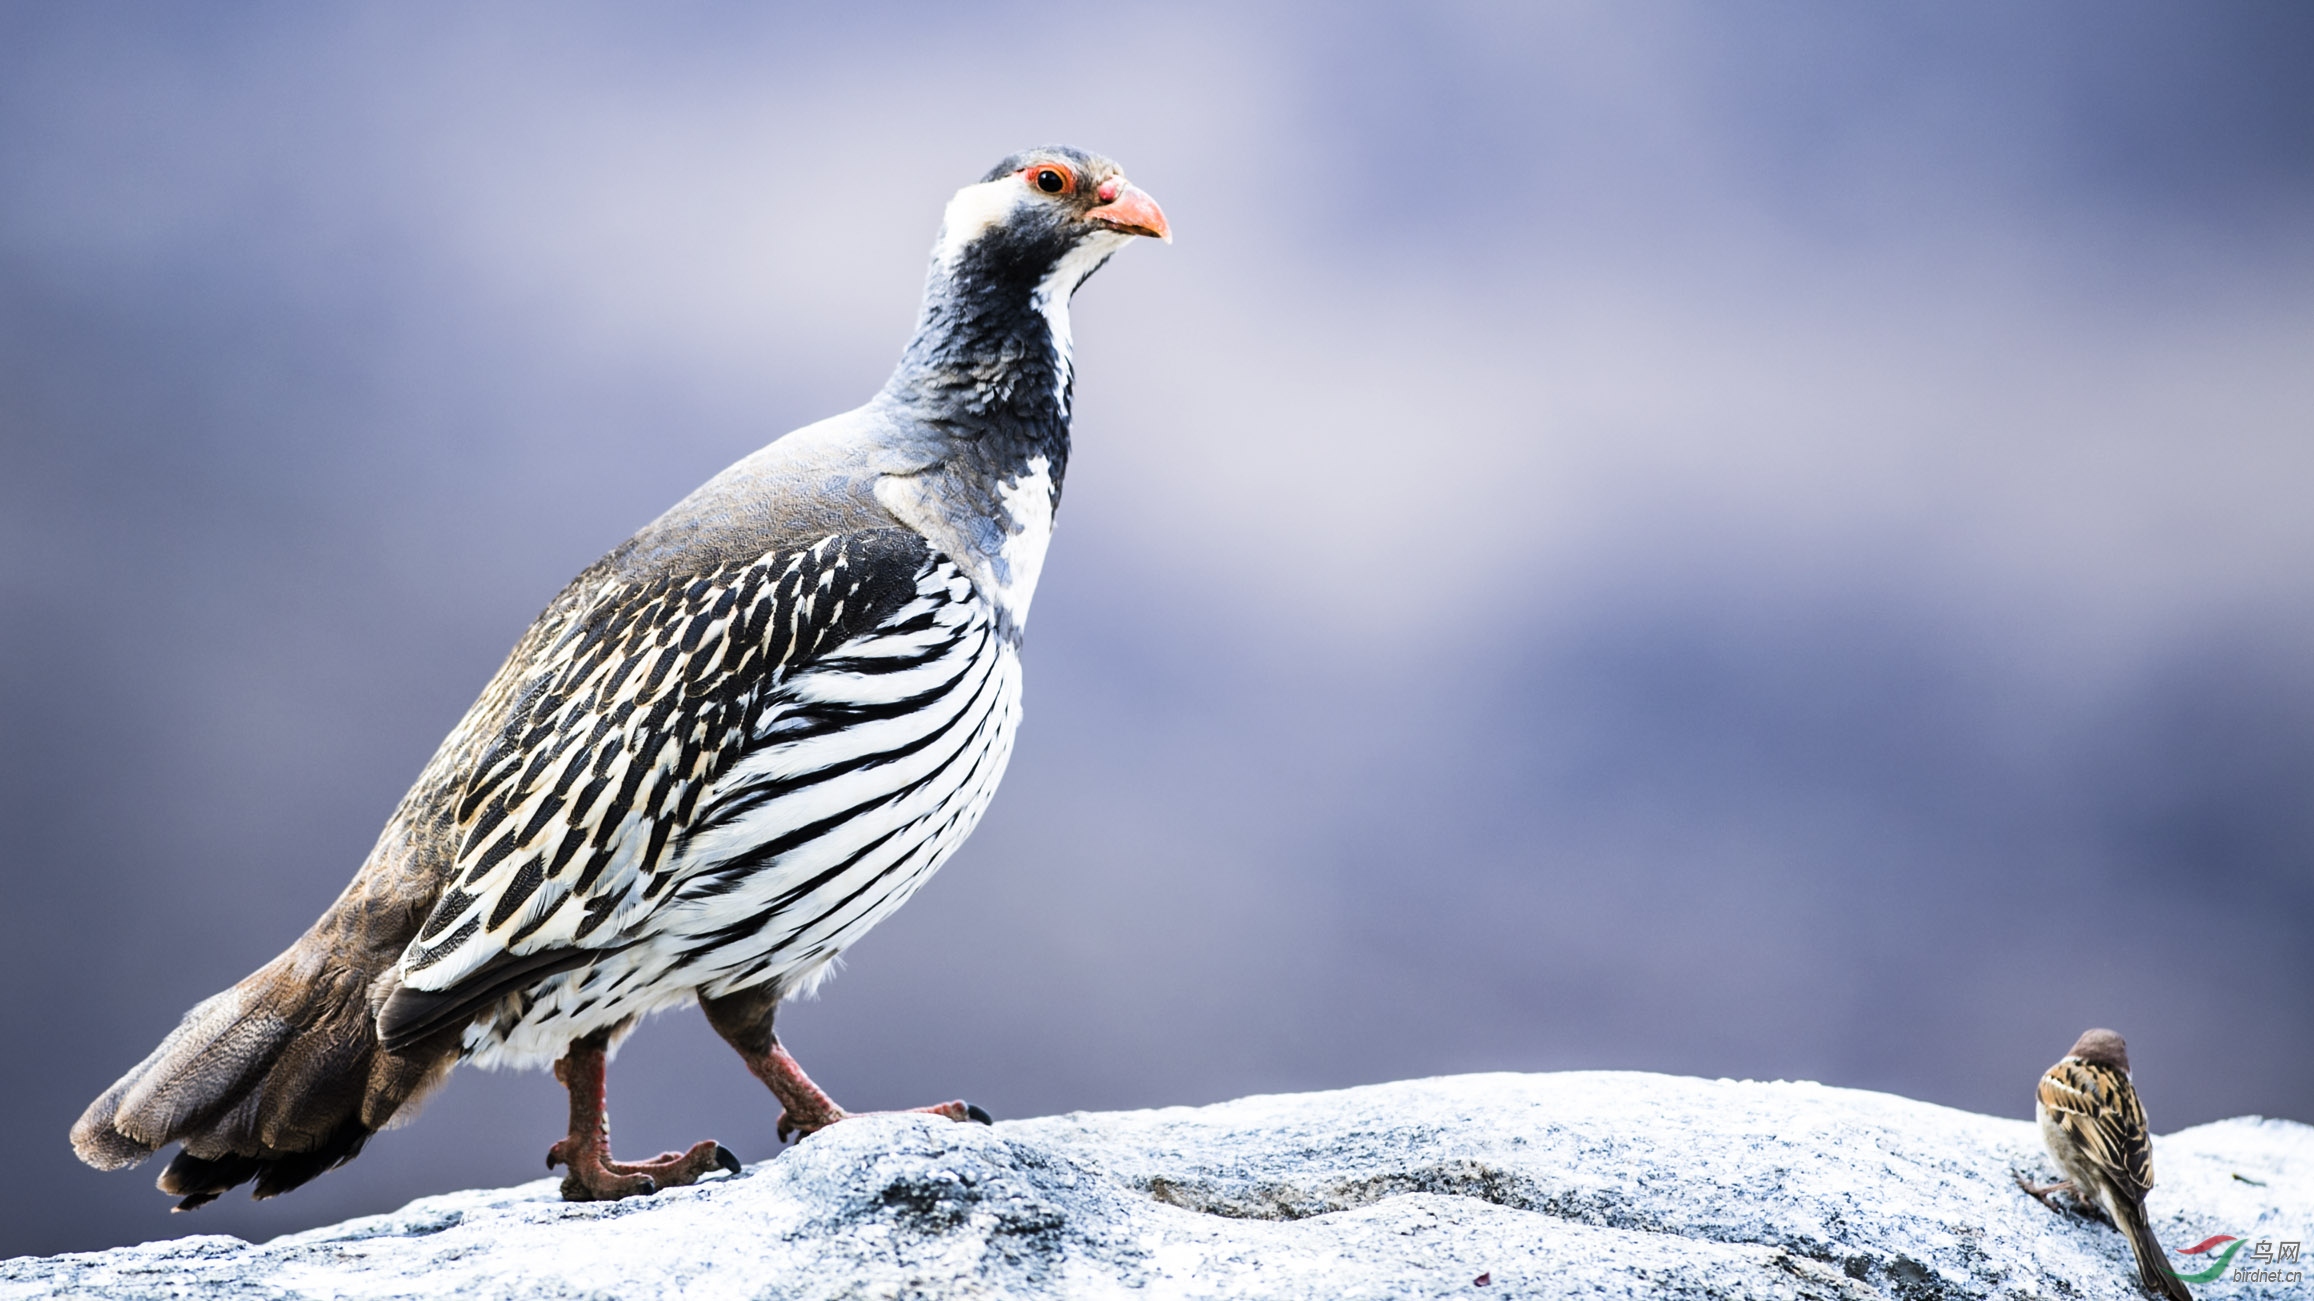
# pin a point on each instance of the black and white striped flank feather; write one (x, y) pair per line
(713, 783)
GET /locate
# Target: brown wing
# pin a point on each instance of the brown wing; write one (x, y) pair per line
(2099, 1108)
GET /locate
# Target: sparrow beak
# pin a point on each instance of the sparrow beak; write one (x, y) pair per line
(1125, 207)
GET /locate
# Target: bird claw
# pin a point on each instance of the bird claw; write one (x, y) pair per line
(595, 1178)
(792, 1129)
(960, 1111)
(808, 1118)
(2041, 1192)
(602, 1184)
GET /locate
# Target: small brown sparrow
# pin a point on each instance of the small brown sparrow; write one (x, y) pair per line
(2093, 1126)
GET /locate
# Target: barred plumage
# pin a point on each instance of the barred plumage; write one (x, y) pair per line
(719, 756)
(771, 818)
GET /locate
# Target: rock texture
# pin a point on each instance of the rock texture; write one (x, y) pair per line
(1590, 1184)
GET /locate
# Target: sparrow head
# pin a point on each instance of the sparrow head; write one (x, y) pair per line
(2102, 1048)
(1041, 211)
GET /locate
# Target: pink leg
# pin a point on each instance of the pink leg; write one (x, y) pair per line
(744, 1021)
(594, 1176)
(805, 1108)
(2042, 1191)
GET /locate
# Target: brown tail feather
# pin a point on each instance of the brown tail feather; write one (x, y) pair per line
(277, 1079)
(2153, 1270)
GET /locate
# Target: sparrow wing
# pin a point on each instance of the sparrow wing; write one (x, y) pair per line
(645, 692)
(2098, 1107)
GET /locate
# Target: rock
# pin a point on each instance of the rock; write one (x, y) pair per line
(1593, 1184)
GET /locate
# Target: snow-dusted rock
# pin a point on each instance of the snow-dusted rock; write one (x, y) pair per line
(1584, 1184)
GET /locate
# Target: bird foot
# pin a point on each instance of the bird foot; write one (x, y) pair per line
(594, 1177)
(2041, 1192)
(959, 1111)
(805, 1107)
(586, 1150)
(796, 1123)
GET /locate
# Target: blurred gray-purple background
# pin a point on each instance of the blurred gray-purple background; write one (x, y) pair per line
(1760, 540)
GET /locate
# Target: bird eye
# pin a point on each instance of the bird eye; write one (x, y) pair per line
(1051, 178)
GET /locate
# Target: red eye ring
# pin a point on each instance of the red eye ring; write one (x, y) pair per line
(1049, 178)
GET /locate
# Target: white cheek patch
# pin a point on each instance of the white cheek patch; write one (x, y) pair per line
(973, 211)
(1052, 296)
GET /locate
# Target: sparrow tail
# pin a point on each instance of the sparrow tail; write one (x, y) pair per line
(2153, 1269)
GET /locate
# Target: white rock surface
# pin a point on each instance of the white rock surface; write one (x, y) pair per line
(1595, 1184)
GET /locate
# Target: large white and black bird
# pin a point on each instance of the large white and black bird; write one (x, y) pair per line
(724, 752)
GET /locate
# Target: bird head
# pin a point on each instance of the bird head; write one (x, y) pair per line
(1043, 212)
(993, 337)
(2102, 1048)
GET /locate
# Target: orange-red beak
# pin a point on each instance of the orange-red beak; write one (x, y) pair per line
(1125, 207)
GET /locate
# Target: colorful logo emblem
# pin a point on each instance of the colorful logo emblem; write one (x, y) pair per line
(2256, 1267)
(2218, 1263)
